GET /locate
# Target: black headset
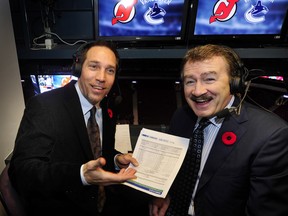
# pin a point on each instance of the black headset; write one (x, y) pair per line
(239, 74)
(78, 58)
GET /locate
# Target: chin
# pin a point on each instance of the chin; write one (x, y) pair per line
(202, 113)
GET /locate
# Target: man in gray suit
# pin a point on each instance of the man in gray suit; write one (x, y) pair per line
(244, 163)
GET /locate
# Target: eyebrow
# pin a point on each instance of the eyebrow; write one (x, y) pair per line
(208, 73)
(204, 74)
(108, 66)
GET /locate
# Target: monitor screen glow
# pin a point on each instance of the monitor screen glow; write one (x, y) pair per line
(141, 19)
(49, 82)
(240, 17)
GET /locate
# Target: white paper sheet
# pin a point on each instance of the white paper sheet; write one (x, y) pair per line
(160, 156)
(122, 138)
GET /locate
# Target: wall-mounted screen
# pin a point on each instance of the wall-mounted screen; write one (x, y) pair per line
(240, 18)
(48, 82)
(141, 20)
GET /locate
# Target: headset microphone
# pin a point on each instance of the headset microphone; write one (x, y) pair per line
(223, 113)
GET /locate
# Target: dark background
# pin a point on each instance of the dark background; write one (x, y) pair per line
(154, 66)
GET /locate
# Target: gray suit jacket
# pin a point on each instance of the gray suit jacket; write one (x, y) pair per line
(249, 177)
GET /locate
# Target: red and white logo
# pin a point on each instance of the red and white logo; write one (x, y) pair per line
(124, 11)
(224, 10)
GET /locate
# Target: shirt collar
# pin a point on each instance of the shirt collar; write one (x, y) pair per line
(85, 104)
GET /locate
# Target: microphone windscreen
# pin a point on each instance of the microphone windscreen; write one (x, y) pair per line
(118, 100)
(223, 113)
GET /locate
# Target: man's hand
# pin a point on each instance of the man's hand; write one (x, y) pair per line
(159, 206)
(94, 174)
(123, 160)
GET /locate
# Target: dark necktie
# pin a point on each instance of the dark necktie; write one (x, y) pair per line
(184, 186)
(95, 142)
(94, 134)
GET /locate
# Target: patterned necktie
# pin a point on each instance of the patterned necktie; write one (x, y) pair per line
(185, 185)
(94, 134)
(95, 142)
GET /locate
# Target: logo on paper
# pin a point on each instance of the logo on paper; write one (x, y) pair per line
(224, 10)
(124, 11)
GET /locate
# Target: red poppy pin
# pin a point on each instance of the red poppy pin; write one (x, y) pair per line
(110, 113)
(229, 138)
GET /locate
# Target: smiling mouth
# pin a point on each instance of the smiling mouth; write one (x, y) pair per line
(97, 87)
(201, 99)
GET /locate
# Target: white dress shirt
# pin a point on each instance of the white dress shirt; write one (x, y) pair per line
(210, 133)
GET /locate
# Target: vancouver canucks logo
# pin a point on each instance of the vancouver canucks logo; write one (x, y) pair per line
(256, 13)
(155, 15)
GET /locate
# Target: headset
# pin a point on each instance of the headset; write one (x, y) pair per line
(239, 74)
(237, 83)
(78, 58)
(79, 55)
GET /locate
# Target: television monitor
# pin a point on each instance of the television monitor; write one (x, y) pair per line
(136, 21)
(271, 82)
(254, 21)
(280, 78)
(48, 82)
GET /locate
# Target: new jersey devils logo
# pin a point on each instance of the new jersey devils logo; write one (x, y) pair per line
(124, 11)
(224, 10)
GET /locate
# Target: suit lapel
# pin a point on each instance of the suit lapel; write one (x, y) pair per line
(221, 151)
(73, 107)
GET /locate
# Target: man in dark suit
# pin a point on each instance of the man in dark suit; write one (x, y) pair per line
(53, 168)
(244, 163)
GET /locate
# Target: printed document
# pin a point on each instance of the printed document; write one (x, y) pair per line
(122, 138)
(160, 156)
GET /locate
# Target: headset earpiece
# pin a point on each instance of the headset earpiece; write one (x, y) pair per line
(236, 85)
(78, 58)
(77, 67)
(237, 82)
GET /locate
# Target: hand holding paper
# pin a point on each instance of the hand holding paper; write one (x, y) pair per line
(160, 156)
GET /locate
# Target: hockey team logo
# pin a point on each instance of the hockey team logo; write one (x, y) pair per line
(124, 11)
(224, 10)
(155, 15)
(256, 14)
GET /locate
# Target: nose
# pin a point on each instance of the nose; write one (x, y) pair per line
(100, 75)
(199, 89)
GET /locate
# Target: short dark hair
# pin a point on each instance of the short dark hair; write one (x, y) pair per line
(81, 54)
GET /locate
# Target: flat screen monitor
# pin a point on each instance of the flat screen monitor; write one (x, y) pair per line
(47, 82)
(280, 78)
(272, 82)
(141, 20)
(251, 20)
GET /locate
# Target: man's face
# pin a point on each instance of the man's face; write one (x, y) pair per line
(98, 74)
(206, 86)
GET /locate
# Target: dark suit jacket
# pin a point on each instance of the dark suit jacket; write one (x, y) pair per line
(249, 177)
(51, 145)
